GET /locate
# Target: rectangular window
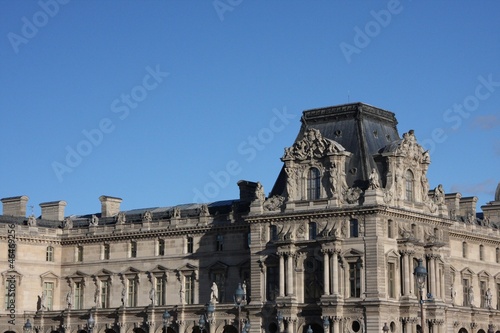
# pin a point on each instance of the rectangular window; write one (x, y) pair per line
(355, 279)
(160, 291)
(48, 289)
(190, 245)
(131, 296)
(390, 229)
(49, 256)
(465, 286)
(498, 296)
(219, 242)
(79, 253)
(189, 289)
(78, 294)
(391, 280)
(104, 294)
(161, 247)
(105, 252)
(482, 293)
(353, 228)
(133, 249)
(272, 283)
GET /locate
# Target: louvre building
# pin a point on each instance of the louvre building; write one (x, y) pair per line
(332, 247)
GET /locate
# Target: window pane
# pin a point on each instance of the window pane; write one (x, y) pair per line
(313, 184)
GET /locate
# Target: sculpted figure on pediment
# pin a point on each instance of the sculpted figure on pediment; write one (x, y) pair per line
(333, 173)
(412, 150)
(273, 203)
(425, 187)
(312, 145)
(259, 193)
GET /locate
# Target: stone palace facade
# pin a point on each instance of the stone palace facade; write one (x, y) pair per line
(331, 248)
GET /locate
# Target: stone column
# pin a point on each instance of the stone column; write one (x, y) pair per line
(289, 272)
(335, 272)
(326, 272)
(282, 274)
(406, 273)
(432, 275)
(437, 276)
(336, 325)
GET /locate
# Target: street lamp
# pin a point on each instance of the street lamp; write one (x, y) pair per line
(90, 323)
(247, 326)
(202, 323)
(385, 328)
(326, 324)
(27, 326)
(279, 316)
(166, 320)
(421, 274)
(238, 299)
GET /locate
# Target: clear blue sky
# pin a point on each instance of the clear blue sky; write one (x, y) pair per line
(157, 97)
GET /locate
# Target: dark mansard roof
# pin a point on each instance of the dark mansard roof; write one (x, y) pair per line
(361, 129)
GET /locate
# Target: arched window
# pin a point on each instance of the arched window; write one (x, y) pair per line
(312, 230)
(313, 184)
(409, 185)
(49, 254)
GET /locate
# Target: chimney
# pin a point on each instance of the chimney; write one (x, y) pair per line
(15, 206)
(110, 206)
(53, 210)
(452, 200)
(247, 190)
(468, 206)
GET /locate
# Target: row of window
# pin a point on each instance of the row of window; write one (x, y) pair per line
(465, 252)
(314, 185)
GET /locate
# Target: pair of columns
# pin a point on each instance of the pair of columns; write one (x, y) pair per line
(331, 259)
(286, 269)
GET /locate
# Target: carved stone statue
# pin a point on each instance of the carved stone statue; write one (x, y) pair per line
(120, 218)
(439, 195)
(152, 295)
(67, 223)
(204, 211)
(487, 298)
(32, 221)
(374, 179)
(471, 296)
(273, 203)
(425, 187)
(181, 294)
(244, 287)
(312, 145)
(176, 213)
(69, 299)
(259, 192)
(214, 294)
(43, 300)
(94, 221)
(333, 177)
(97, 296)
(147, 217)
(124, 295)
(453, 294)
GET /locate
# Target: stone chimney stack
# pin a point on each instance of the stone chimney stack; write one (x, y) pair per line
(468, 206)
(247, 190)
(53, 210)
(110, 206)
(15, 206)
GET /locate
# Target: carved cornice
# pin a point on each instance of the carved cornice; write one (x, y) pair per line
(480, 238)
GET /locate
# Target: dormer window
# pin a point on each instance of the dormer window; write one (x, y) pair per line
(313, 184)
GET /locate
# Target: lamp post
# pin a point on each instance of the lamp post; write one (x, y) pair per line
(238, 299)
(247, 326)
(326, 324)
(279, 316)
(166, 320)
(421, 274)
(27, 326)
(201, 323)
(90, 323)
(385, 328)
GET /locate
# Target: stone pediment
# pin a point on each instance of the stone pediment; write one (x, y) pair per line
(187, 267)
(158, 269)
(130, 271)
(11, 273)
(218, 266)
(103, 272)
(312, 145)
(408, 147)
